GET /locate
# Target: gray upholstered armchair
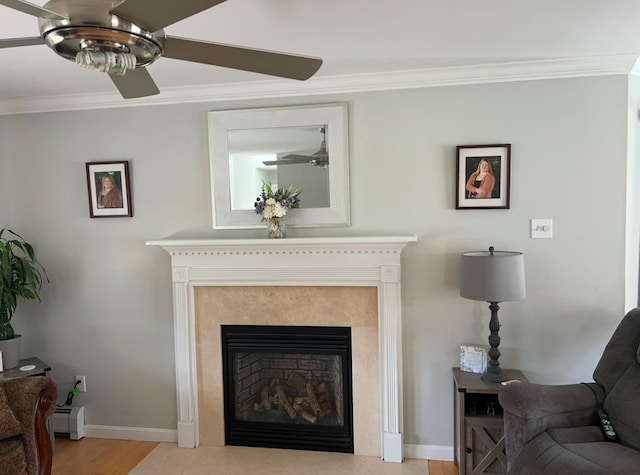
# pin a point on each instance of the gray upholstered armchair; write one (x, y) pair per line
(556, 429)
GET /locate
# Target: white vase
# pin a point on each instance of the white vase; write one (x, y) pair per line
(11, 352)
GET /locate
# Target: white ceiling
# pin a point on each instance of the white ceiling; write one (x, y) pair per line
(352, 37)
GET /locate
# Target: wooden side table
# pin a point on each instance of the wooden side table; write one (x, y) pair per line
(41, 369)
(478, 444)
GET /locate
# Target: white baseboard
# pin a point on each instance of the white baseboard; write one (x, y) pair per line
(131, 433)
(426, 452)
(429, 452)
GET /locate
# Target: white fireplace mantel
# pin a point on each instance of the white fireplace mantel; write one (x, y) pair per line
(372, 261)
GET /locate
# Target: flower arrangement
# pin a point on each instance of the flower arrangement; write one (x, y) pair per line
(274, 203)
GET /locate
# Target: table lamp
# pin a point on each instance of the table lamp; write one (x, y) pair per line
(494, 277)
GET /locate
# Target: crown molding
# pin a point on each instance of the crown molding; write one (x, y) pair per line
(635, 70)
(621, 64)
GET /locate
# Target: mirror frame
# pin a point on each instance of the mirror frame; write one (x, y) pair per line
(335, 116)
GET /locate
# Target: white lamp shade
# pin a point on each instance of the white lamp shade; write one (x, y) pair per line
(496, 276)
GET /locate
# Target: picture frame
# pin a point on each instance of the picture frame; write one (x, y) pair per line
(109, 188)
(493, 191)
(473, 358)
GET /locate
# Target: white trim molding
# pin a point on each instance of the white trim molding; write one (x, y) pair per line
(554, 68)
(411, 451)
(336, 261)
(429, 452)
(130, 433)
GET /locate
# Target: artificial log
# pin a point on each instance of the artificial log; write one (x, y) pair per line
(284, 401)
(322, 393)
(264, 398)
(310, 417)
(313, 401)
(296, 380)
(299, 404)
(317, 403)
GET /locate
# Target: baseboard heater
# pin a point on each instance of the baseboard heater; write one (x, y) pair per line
(69, 420)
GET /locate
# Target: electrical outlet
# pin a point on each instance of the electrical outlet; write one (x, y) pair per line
(82, 387)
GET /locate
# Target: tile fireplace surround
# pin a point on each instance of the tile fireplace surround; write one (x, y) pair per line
(207, 274)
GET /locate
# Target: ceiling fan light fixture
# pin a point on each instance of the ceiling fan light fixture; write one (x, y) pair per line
(69, 41)
(106, 61)
(320, 163)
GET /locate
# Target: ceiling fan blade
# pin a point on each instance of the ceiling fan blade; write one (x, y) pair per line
(153, 15)
(246, 59)
(289, 160)
(12, 42)
(31, 9)
(135, 83)
(300, 158)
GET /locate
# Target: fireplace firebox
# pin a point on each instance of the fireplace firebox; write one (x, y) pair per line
(288, 387)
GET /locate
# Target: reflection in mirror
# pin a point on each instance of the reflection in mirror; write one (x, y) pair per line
(283, 156)
(304, 146)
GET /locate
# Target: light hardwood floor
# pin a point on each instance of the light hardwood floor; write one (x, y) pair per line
(98, 456)
(438, 467)
(118, 457)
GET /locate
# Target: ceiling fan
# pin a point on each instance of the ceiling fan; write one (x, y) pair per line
(317, 159)
(123, 38)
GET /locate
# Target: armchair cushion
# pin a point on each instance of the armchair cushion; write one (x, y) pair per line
(617, 457)
(9, 425)
(574, 435)
(32, 401)
(13, 460)
(546, 455)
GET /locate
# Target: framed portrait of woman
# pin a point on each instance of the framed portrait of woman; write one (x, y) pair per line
(109, 189)
(483, 176)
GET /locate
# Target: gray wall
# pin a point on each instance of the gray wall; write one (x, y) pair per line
(107, 313)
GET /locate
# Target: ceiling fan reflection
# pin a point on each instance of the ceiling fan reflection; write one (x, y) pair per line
(317, 159)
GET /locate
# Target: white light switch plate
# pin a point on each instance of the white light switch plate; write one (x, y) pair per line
(541, 228)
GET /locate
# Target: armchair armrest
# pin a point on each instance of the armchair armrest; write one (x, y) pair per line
(530, 409)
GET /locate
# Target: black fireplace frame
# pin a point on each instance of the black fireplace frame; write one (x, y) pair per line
(293, 340)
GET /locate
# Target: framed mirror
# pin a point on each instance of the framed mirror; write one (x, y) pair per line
(304, 146)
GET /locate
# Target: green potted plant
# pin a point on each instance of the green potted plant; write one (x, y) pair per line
(21, 277)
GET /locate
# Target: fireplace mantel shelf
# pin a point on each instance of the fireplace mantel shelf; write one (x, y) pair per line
(321, 261)
(288, 243)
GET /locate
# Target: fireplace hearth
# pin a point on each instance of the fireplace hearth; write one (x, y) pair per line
(288, 387)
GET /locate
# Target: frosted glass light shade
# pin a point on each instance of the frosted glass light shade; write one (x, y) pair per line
(492, 276)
